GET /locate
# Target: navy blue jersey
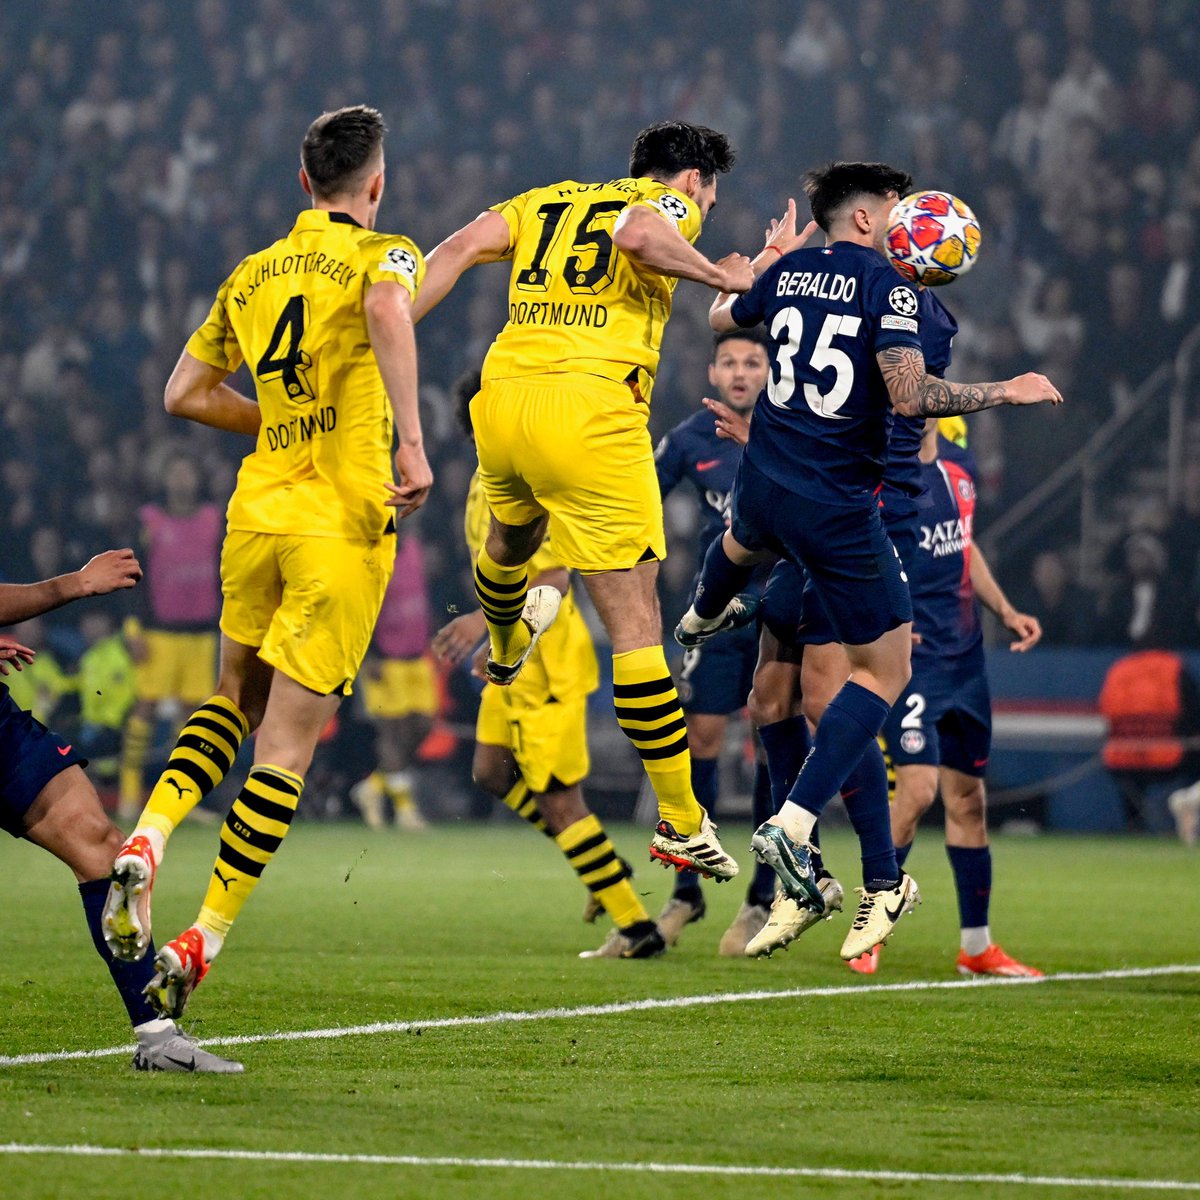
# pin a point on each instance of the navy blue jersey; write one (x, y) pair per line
(945, 613)
(902, 484)
(821, 428)
(692, 451)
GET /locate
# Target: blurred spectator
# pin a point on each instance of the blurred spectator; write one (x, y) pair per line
(1065, 609)
(145, 141)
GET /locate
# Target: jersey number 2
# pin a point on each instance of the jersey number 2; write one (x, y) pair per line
(283, 358)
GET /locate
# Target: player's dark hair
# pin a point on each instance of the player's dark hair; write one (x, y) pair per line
(756, 334)
(339, 146)
(665, 149)
(466, 387)
(829, 188)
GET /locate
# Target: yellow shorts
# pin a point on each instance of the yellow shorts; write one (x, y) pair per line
(178, 666)
(549, 741)
(309, 603)
(402, 687)
(577, 447)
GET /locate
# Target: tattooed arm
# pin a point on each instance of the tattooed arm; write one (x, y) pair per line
(915, 393)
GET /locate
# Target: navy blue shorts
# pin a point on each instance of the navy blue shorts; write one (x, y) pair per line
(944, 717)
(30, 756)
(717, 677)
(851, 563)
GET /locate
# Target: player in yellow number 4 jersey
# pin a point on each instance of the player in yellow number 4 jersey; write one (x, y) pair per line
(560, 425)
(323, 319)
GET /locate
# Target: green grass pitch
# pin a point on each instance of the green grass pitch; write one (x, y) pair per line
(1096, 1078)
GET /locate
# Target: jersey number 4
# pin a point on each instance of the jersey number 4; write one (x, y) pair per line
(790, 322)
(585, 280)
(283, 358)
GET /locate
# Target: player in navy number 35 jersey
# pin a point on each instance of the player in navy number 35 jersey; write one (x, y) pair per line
(846, 353)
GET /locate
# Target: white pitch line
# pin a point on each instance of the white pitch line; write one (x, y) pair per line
(623, 1006)
(646, 1168)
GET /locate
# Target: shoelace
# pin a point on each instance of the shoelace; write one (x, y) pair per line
(864, 910)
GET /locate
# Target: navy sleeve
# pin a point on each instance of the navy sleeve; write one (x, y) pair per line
(892, 311)
(670, 463)
(748, 308)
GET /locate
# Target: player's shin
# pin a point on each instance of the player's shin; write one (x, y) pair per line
(521, 801)
(592, 856)
(130, 978)
(203, 754)
(501, 592)
(648, 711)
(786, 744)
(720, 580)
(253, 831)
(865, 794)
(850, 725)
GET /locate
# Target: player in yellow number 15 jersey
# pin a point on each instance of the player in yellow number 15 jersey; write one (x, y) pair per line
(323, 320)
(560, 425)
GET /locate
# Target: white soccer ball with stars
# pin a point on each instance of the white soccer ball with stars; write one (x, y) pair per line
(932, 238)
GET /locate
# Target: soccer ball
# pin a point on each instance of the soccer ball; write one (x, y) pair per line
(932, 238)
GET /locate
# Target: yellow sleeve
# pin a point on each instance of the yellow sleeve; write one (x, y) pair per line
(512, 211)
(394, 260)
(672, 206)
(215, 342)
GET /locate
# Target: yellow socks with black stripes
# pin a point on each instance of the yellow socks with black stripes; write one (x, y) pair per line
(203, 754)
(501, 592)
(521, 801)
(256, 825)
(648, 712)
(135, 749)
(601, 871)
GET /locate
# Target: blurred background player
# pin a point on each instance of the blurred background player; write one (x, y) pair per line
(938, 735)
(531, 746)
(399, 692)
(173, 644)
(806, 490)
(323, 318)
(46, 798)
(560, 426)
(716, 678)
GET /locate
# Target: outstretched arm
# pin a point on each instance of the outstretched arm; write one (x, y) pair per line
(199, 392)
(652, 242)
(107, 572)
(1028, 629)
(915, 393)
(484, 240)
(781, 238)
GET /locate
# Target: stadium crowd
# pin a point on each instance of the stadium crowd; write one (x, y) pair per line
(149, 146)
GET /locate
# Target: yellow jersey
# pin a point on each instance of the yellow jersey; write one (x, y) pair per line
(563, 665)
(575, 303)
(294, 313)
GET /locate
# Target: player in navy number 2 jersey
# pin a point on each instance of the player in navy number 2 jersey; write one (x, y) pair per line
(940, 730)
(715, 679)
(846, 354)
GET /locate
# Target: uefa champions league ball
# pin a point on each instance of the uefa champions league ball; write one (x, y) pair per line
(932, 238)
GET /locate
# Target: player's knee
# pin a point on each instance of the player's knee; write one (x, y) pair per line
(492, 778)
(967, 805)
(768, 709)
(915, 790)
(94, 844)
